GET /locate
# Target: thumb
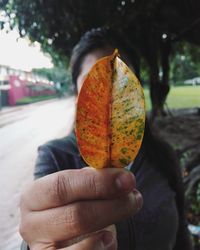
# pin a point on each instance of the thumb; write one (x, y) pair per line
(103, 240)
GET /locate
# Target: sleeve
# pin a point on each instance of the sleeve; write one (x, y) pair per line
(156, 224)
(126, 234)
(24, 246)
(46, 163)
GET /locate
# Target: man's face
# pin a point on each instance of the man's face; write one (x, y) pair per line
(89, 60)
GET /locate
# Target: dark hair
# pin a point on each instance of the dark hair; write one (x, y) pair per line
(94, 39)
(157, 150)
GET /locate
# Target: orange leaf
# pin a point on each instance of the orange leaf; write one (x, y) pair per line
(110, 115)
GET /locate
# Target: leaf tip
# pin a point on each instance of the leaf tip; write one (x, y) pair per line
(115, 54)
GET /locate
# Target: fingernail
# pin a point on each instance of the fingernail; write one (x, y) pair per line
(125, 181)
(108, 241)
(138, 199)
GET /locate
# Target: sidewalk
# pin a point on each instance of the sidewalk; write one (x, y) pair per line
(29, 128)
(10, 115)
(10, 109)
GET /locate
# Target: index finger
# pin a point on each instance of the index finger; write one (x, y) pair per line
(68, 186)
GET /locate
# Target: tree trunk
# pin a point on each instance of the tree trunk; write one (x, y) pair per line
(154, 49)
(165, 53)
(159, 89)
(134, 60)
(154, 89)
(150, 51)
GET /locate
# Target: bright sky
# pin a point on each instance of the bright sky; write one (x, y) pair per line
(18, 53)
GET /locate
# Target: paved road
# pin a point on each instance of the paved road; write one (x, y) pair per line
(22, 130)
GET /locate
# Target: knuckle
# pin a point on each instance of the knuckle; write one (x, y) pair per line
(22, 202)
(28, 230)
(29, 226)
(24, 227)
(22, 230)
(60, 189)
(76, 216)
(24, 198)
(79, 218)
(95, 185)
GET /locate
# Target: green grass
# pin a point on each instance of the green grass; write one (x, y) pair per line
(179, 97)
(27, 100)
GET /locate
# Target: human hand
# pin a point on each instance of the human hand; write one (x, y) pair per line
(73, 204)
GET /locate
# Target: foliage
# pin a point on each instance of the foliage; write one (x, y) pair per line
(185, 63)
(149, 29)
(59, 25)
(194, 200)
(198, 195)
(183, 68)
(58, 75)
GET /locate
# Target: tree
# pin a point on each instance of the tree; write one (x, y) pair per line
(185, 63)
(149, 29)
(57, 75)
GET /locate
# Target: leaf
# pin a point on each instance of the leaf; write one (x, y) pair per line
(110, 114)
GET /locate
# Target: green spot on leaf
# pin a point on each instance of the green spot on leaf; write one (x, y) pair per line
(124, 150)
(124, 161)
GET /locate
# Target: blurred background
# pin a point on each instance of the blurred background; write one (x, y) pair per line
(37, 103)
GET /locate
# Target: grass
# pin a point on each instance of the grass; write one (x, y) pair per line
(179, 97)
(27, 100)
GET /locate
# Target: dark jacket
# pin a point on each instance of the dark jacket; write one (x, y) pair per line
(155, 226)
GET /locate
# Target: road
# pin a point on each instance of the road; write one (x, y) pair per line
(22, 130)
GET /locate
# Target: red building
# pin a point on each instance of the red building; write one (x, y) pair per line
(17, 84)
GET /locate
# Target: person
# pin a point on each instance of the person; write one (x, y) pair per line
(72, 206)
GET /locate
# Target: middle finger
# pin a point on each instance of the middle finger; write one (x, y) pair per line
(77, 219)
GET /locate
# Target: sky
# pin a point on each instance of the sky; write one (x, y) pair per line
(19, 53)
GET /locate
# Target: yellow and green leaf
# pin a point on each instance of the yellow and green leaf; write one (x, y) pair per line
(110, 115)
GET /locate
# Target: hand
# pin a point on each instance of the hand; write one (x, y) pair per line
(105, 239)
(70, 204)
